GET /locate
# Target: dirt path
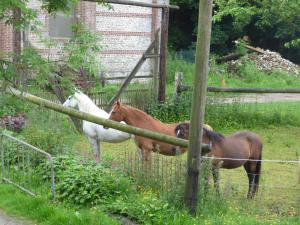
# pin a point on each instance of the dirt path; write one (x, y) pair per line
(259, 98)
(6, 220)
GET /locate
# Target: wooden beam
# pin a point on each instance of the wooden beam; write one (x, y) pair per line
(122, 78)
(17, 44)
(156, 66)
(140, 4)
(104, 122)
(182, 88)
(198, 105)
(163, 55)
(130, 76)
(259, 50)
(253, 90)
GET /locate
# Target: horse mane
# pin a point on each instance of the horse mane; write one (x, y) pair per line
(139, 111)
(86, 102)
(213, 136)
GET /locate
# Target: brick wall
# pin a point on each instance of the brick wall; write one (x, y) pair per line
(5, 37)
(126, 32)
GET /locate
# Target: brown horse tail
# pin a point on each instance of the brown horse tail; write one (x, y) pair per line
(257, 171)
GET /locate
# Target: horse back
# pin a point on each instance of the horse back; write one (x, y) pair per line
(254, 141)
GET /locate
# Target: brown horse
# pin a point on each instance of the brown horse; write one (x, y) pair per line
(240, 149)
(140, 119)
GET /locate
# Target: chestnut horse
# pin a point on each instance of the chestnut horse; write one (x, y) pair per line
(140, 119)
(240, 149)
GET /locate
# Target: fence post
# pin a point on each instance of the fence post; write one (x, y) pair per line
(198, 105)
(2, 156)
(299, 172)
(156, 66)
(163, 54)
(178, 83)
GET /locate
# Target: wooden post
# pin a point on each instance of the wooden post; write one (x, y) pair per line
(198, 105)
(163, 55)
(17, 40)
(136, 3)
(178, 83)
(299, 172)
(156, 66)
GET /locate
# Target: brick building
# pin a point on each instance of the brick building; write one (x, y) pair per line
(126, 32)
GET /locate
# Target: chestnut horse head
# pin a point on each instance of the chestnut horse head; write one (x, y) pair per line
(117, 114)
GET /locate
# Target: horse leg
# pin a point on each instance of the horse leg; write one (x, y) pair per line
(216, 178)
(96, 147)
(215, 171)
(251, 177)
(139, 153)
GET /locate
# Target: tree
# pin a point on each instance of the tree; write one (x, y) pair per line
(269, 24)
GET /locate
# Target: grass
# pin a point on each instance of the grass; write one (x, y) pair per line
(279, 192)
(43, 212)
(278, 124)
(247, 76)
(272, 205)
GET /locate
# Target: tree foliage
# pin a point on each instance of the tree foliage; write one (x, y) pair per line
(78, 55)
(269, 24)
(29, 15)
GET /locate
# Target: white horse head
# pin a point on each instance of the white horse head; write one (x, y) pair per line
(82, 102)
(71, 102)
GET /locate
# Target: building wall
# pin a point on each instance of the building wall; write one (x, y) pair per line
(5, 37)
(126, 31)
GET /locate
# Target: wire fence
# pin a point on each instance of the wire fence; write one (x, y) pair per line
(138, 98)
(278, 192)
(20, 166)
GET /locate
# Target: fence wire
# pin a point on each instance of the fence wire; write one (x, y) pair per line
(278, 192)
(23, 165)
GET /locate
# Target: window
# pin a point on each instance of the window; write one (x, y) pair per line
(60, 25)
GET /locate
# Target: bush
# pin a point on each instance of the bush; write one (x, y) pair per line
(86, 183)
(11, 105)
(46, 139)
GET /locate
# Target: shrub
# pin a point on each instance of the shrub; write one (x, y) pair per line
(46, 139)
(86, 183)
(11, 105)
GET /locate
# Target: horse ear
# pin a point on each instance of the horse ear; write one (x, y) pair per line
(118, 103)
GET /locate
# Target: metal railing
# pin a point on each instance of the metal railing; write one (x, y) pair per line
(27, 167)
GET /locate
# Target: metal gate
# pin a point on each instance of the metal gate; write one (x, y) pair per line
(27, 167)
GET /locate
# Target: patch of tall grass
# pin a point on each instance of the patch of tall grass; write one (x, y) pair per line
(245, 75)
(233, 115)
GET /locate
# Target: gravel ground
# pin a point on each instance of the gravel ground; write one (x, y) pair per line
(6, 220)
(261, 98)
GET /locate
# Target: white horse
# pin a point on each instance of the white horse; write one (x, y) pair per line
(94, 132)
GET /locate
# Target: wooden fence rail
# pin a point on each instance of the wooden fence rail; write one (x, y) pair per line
(179, 88)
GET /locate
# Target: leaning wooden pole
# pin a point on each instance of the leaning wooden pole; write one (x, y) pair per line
(129, 78)
(198, 105)
(104, 122)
